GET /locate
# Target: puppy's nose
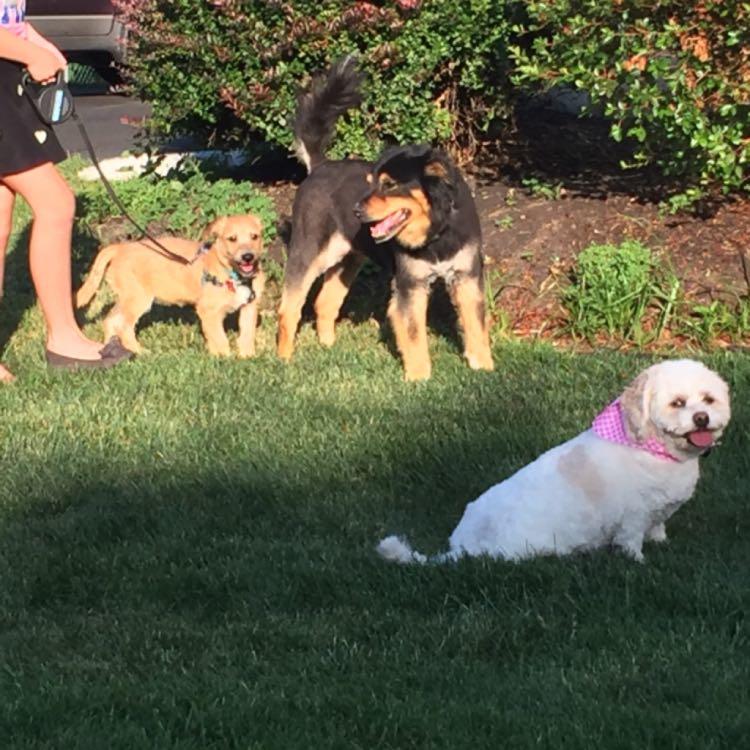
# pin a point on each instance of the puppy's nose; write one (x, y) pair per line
(247, 257)
(701, 419)
(358, 210)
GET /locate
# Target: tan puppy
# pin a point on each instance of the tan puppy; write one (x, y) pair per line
(224, 277)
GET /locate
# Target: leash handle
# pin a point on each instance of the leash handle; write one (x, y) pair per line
(116, 199)
(52, 100)
(54, 104)
(60, 77)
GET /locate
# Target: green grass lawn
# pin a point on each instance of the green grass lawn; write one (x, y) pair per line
(187, 557)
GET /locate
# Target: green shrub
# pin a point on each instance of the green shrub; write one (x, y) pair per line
(621, 291)
(183, 204)
(674, 78)
(231, 70)
(716, 321)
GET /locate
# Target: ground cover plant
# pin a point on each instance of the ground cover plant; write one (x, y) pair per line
(613, 288)
(186, 556)
(184, 202)
(627, 294)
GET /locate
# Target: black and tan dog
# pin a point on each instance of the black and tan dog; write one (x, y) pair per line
(412, 203)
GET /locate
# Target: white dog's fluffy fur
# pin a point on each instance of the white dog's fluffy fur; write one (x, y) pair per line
(590, 492)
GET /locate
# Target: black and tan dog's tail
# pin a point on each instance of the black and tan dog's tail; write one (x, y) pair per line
(329, 96)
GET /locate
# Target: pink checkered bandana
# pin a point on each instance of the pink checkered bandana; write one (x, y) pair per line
(609, 425)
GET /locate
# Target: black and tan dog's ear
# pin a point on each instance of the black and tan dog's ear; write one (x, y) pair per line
(635, 402)
(416, 151)
(436, 168)
(439, 180)
(213, 230)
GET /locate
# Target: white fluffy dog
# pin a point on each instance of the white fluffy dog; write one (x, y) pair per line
(616, 483)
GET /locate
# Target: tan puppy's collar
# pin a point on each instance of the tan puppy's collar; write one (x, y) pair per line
(231, 283)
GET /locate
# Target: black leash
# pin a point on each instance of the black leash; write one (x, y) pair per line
(116, 199)
(54, 104)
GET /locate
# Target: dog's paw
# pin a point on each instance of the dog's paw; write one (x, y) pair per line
(284, 350)
(480, 362)
(657, 534)
(217, 351)
(415, 374)
(327, 338)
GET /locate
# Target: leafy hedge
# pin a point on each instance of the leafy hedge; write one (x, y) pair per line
(673, 76)
(227, 68)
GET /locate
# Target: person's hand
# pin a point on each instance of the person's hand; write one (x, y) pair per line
(45, 65)
(44, 46)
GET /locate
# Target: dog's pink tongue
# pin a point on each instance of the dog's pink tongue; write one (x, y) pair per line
(701, 438)
(385, 225)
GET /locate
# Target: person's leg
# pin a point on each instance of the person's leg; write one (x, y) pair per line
(6, 220)
(53, 205)
(7, 198)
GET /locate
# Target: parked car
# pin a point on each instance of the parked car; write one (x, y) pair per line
(85, 30)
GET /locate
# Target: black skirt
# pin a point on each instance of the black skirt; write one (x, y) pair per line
(25, 140)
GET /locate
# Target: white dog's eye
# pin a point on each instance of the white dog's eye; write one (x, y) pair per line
(678, 403)
(708, 399)
(232, 238)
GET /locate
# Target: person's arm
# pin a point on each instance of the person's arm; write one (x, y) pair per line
(41, 62)
(36, 38)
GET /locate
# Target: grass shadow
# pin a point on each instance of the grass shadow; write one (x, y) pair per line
(368, 300)
(188, 556)
(18, 295)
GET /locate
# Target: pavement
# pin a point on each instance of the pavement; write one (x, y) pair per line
(112, 121)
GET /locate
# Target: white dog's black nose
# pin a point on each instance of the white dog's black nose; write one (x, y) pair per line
(701, 419)
(247, 257)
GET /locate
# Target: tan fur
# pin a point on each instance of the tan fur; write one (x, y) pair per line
(336, 285)
(577, 467)
(634, 401)
(139, 275)
(293, 298)
(436, 169)
(410, 329)
(290, 312)
(469, 300)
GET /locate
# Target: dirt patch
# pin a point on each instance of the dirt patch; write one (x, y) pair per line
(533, 242)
